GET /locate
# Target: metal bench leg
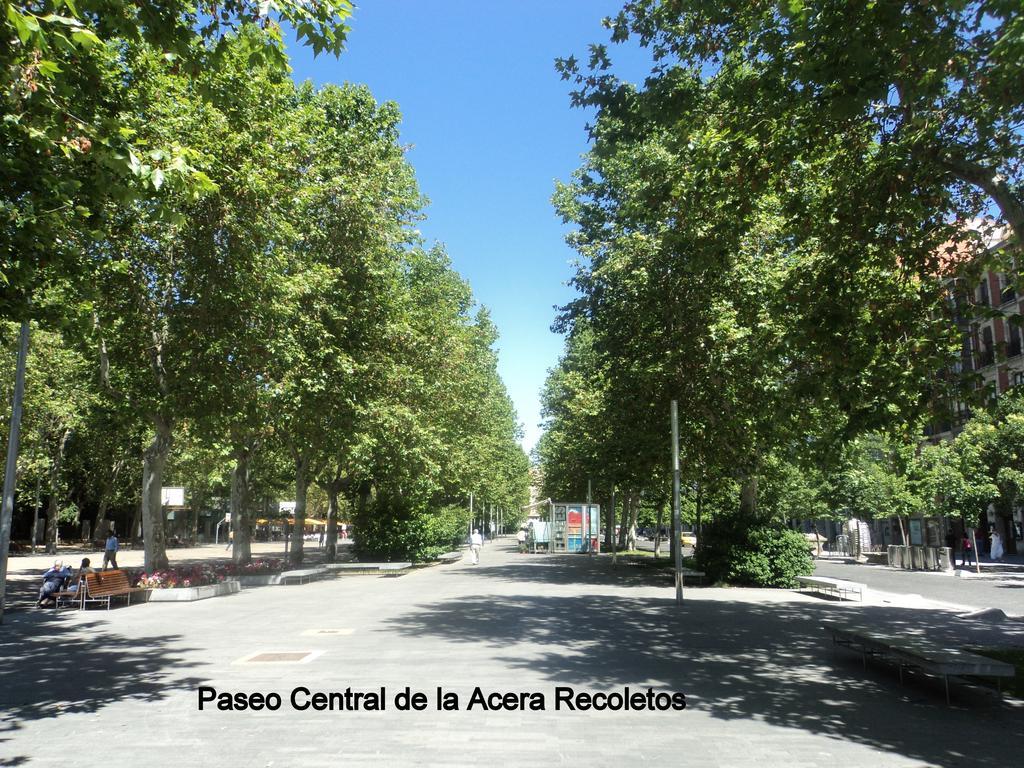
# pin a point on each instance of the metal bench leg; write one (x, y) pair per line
(901, 674)
(946, 680)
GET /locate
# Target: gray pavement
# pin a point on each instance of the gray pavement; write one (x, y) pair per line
(120, 688)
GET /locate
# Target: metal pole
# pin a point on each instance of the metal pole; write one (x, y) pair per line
(615, 543)
(977, 554)
(676, 524)
(7, 508)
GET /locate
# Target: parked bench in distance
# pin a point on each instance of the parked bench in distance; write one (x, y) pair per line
(839, 588)
(690, 573)
(918, 653)
(303, 576)
(369, 569)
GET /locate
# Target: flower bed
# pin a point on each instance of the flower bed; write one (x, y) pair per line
(174, 578)
(206, 574)
(199, 582)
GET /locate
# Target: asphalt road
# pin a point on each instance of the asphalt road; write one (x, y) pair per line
(998, 587)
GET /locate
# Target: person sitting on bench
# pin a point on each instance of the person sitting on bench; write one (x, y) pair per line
(83, 569)
(53, 580)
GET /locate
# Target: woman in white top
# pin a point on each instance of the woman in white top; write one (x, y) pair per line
(997, 546)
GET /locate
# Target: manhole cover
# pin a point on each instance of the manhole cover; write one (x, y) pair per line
(279, 657)
(315, 632)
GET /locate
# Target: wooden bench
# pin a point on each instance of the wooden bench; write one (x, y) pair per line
(919, 653)
(829, 586)
(69, 598)
(103, 586)
(450, 557)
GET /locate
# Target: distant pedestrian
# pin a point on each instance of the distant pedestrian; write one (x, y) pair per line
(231, 540)
(322, 536)
(110, 551)
(521, 538)
(997, 546)
(968, 550)
(476, 541)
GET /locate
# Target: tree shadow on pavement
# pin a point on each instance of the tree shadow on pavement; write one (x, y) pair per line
(739, 655)
(49, 668)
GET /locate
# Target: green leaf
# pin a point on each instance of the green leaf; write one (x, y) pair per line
(48, 68)
(85, 38)
(24, 25)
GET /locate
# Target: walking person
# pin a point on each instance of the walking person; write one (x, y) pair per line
(521, 538)
(476, 541)
(110, 550)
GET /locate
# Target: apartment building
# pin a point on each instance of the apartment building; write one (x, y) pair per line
(992, 339)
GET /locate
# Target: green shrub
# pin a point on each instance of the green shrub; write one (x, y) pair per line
(389, 531)
(762, 556)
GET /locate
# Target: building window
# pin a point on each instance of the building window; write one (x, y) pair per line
(1013, 346)
(1008, 292)
(987, 346)
(983, 298)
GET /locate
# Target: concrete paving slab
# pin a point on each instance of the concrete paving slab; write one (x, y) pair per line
(761, 684)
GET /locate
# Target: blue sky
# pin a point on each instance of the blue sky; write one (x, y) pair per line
(491, 129)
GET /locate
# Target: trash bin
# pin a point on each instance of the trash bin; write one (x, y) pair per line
(929, 558)
(917, 557)
(945, 559)
(894, 557)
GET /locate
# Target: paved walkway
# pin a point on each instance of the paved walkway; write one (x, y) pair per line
(120, 687)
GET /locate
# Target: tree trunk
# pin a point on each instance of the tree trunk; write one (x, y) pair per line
(134, 532)
(101, 527)
(197, 502)
(633, 514)
(241, 550)
(35, 514)
(297, 552)
(154, 461)
(331, 544)
(700, 512)
(748, 497)
(657, 531)
(52, 509)
(623, 524)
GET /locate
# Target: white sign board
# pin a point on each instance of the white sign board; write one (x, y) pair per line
(172, 497)
(286, 507)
